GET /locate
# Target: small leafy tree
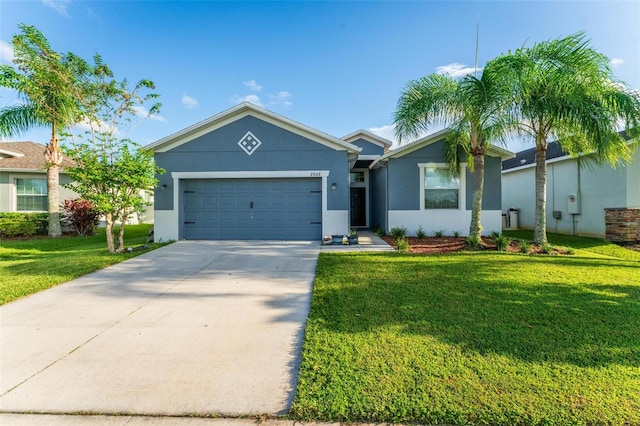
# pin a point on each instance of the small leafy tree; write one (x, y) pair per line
(112, 171)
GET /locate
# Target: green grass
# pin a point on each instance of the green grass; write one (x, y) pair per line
(592, 245)
(474, 338)
(32, 265)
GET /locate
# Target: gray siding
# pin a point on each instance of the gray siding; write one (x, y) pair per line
(368, 148)
(280, 150)
(404, 179)
(378, 188)
(492, 191)
(404, 176)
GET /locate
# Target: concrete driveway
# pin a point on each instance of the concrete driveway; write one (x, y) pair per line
(212, 327)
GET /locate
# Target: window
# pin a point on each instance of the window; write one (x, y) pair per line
(441, 189)
(31, 195)
(356, 177)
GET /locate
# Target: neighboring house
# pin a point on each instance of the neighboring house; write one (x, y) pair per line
(578, 191)
(23, 181)
(248, 173)
(23, 178)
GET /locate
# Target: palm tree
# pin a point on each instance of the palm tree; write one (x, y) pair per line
(49, 85)
(565, 89)
(476, 110)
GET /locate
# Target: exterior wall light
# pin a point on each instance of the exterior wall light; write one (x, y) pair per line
(334, 185)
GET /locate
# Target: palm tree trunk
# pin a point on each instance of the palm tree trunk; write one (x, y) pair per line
(53, 157)
(540, 226)
(475, 228)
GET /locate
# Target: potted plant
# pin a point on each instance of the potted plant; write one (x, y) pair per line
(353, 236)
(337, 239)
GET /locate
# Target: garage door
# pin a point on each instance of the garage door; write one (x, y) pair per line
(252, 209)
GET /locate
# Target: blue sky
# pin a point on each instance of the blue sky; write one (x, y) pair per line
(334, 66)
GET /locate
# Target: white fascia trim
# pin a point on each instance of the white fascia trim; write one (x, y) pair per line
(17, 170)
(368, 157)
(11, 153)
(462, 188)
(531, 165)
(251, 174)
(243, 110)
(371, 137)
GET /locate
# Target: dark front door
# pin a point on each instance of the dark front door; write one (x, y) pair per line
(358, 207)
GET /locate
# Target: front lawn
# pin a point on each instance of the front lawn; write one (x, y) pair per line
(473, 338)
(36, 264)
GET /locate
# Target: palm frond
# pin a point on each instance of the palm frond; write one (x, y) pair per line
(19, 119)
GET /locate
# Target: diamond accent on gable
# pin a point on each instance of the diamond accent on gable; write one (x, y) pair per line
(249, 143)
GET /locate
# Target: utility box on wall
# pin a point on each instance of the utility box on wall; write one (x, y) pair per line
(574, 203)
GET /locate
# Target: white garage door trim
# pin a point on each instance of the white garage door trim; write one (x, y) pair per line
(332, 222)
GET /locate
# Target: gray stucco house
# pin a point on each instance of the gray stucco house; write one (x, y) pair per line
(578, 192)
(249, 173)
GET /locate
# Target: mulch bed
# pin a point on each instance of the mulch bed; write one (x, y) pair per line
(442, 245)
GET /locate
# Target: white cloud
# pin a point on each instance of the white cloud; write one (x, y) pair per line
(189, 102)
(254, 99)
(252, 85)
(456, 70)
(144, 113)
(281, 98)
(616, 62)
(387, 132)
(6, 52)
(59, 6)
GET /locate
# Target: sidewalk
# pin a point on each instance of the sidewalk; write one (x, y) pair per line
(367, 241)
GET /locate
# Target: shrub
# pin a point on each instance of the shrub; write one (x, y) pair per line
(525, 247)
(495, 234)
(502, 242)
(398, 232)
(402, 245)
(23, 224)
(474, 242)
(81, 216)
(380, 232)
(546, 248)
(456, 234)
(438, 234)
(420, 233)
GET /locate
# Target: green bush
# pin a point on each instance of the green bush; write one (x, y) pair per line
(420, 233)
(502, 242)
(23, 224)
(398, 232)
(403, 245)
(438, 234)
(525, 247)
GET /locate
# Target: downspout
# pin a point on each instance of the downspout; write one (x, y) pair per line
(573, 215)
(386, 197)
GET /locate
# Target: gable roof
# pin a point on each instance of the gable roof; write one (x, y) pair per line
(428, 140)
(243, 110)
(371, 137)
(25, 156)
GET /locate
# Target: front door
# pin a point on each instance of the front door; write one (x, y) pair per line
(358, 205)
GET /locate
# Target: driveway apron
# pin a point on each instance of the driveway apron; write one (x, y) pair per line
(193, 328)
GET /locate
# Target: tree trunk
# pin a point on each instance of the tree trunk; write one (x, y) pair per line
(121, 235)
(53, 157)
(109, 231)
(540, 226)
(475, 228)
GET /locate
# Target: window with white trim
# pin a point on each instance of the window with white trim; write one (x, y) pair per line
(31, 195)
(441, 188)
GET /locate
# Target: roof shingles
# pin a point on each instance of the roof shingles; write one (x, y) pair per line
(32, 159)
